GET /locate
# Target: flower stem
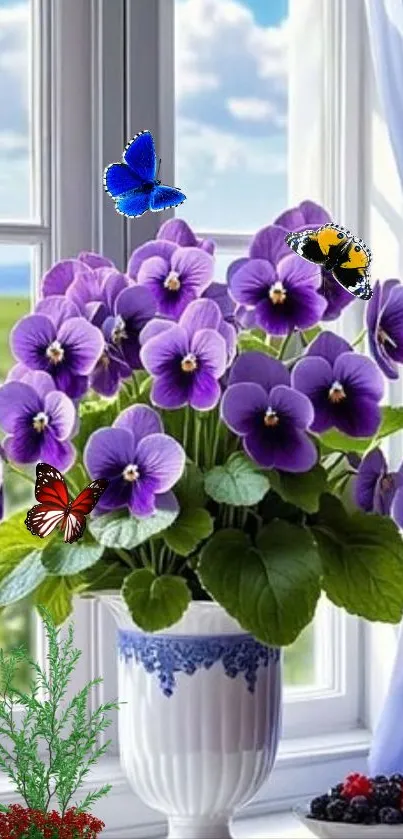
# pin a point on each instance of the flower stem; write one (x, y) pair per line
(125, 557)
(21, 473)
(284, 345)
(360, 338)
(335, 463)
(185, 431)
(197, 435)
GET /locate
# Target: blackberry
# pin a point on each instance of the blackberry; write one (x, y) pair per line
(372, 816)
(387, 794)
(351, 816)
(335, 792)
(336, 808)
(318, 806)
(389, 815)
(380, 779)
(397, 778)
(359, 805)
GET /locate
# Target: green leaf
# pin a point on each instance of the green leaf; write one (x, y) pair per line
(392, 421)
(108, 573)
(94, 414)
(311, 334)
(302, 490)
(247, 341)
(155, 602)
(190, 528)
(61, 558)
(190, 488)
(120, 530)
(23, 579)
(238, 482)
(362, 558)
(16, 542)
(271, 589)
(56, 595)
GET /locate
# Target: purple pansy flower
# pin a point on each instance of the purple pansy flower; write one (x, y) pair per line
(397, 501)
(58, 308)
(38, 420)
(283, 296)
(177, 230)
(306, 214)
(374, 486)
(132, 310)
(177, 280)
(260, 406)
(310, 215)
(68, 352)
(1, 489)
(95, 260)
(385, 326)
(141, 463)
(344, 387)
(95, 297)
(60, 276)
(187, 359)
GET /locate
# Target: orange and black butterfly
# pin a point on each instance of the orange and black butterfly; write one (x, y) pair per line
(338, 251)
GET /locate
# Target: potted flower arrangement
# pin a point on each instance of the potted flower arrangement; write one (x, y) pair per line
(231, 423)
(65, 734)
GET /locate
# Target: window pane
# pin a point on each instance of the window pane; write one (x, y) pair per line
(15, 283)
(16, 86)
(231, 112)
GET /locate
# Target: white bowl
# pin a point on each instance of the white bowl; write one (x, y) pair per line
(342, 830)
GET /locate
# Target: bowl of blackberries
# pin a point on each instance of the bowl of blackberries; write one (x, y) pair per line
(358, 807)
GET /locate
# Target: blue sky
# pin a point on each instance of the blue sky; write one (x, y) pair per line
(231, 111)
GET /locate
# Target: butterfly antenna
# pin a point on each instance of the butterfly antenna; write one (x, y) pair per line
(159, 167)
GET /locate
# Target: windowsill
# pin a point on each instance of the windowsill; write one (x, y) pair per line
(304, 768)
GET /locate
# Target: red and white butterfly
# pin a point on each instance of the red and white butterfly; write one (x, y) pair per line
(56, 509)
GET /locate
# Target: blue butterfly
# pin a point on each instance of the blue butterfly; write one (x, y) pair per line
(133, 184)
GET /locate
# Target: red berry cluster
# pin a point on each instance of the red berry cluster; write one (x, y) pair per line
(24, 823)
(356, 784)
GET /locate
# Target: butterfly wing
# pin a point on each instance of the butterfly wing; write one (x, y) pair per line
(133, 204)
(119, 179)
(140, 156)
(75, 524)
(43, 518)
(50, 487)
(353, 272)
(163, 197)
(306, 244)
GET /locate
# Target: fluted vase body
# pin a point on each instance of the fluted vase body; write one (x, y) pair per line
(199, 733)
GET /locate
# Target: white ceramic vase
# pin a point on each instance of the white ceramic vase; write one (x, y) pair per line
(199, 733)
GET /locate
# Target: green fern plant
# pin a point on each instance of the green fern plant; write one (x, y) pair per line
(66, 737)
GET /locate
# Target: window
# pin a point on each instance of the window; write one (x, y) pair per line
(22, 223)
(91, 76)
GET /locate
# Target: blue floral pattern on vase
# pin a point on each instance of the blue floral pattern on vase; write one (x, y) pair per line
(166, 655)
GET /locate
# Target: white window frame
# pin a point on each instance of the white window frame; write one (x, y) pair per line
(88, 76)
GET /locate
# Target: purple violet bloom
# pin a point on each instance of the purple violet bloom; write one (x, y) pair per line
(307, 214)
(260, 406)
(385, 326)
(68, 352)
(38, 420)
(132, 310)
(177, 230)
(1, 489)
(178, 280)
(374, 486)
(95, 260)
(187, 359)
(60, 276)
(284, 296)
(344, 387)
(141, 463)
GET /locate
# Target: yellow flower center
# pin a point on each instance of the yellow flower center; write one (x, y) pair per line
(337, 393)
(271, 418)
(384, 338)
(55, 352)
(172, 282)
(131, 472)
(40, 421)
(189, 363)
(119, 331)
(277, 293)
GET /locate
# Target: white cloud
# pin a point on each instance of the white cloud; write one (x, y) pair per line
(220, 48)
(254, 110)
